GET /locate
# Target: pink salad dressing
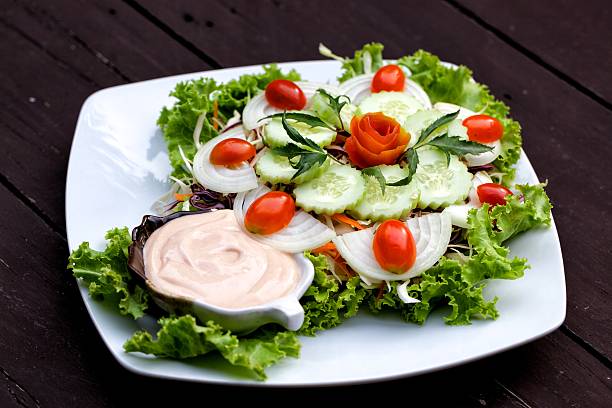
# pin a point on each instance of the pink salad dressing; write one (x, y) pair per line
(208, 257)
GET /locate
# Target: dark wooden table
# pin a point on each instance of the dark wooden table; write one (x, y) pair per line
(551, 61)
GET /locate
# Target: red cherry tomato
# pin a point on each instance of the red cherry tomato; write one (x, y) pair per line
(389, 78)
(270, 213)
(231, 152)
(492, 193)
(483, 128)
(394, 246)
(286, 95)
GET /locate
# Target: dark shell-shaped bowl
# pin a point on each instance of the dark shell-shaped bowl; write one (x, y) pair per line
(286, 311)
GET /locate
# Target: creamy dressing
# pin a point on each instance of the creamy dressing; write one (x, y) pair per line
(208, 257)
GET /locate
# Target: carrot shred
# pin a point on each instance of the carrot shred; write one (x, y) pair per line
(348, 221)
(330, 250)
(330, 246)
(182, 197)
(216, 114)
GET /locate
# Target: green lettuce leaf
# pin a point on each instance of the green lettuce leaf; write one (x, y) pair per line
(352, 67)
(522, 212)
(196, 97)
(490, 228)
(446, 283)
(444, 84)
(443, 284)
(326, 303)
(107, 275)
(182, 337)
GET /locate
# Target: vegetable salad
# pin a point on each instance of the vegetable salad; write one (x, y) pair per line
(395, 182)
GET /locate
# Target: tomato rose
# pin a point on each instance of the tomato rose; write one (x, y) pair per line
(375, 139)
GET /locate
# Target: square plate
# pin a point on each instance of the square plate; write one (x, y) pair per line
(118, 167)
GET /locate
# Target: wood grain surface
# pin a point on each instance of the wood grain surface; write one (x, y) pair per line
(550, 64)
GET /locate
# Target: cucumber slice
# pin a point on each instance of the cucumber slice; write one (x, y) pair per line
(320, 106)
(274, 169)
(439, 184)
(456, 128)
(337, 189)
(396, 202)
(397, 105)
(275, 135)
(418, 121)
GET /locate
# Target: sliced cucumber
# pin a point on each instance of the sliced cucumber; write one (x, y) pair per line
(275, 135)
(396, 202)
(418, 121)
(397, 105)
(320, 106)
(439, 184)
(337, 189)
(456, 128)
(274, 169)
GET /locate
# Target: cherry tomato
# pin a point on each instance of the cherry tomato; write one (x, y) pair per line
(286, 95)
(231, 152)
(483, 128)
(394, 246)
(270, 213)
(389, 78)
(492, 193)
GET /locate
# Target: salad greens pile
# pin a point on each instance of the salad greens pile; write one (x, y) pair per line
(215, 101)
(106, 273)
(457, 280)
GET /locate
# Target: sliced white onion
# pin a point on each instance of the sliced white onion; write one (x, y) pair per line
(231, 122)
(431, 234)
(360, 87)
(220, 178)
(459, 212)
(402, 293)
(303, 233)
(198, 130)
(258, 107)
(486, 157)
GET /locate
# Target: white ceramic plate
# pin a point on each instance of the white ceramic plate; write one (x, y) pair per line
(118, 166)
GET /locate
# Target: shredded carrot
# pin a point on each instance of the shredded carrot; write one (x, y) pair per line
(330, 246)
(347, 220)
(341, 263)
(216, 114)
(182, 197)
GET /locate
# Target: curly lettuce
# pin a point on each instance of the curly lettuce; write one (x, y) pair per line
(443, 284)
(106, 273)
(199, 96)
(182, 337)
(367, 59)
(327, 303)
(455, 85)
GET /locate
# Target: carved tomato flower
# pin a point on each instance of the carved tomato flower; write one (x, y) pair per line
(375, 139)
